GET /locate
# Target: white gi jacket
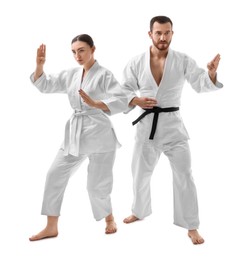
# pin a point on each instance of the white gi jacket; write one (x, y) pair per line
(89, 130)
(137, 77)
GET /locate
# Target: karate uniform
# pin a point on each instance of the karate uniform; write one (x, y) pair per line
(88, 134)
(171, 136)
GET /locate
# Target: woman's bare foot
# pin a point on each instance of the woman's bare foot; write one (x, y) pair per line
(46, 233)
(111, 226)
(195, 237)
(51, 229)
(130, 219)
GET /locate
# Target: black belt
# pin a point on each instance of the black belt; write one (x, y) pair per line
(156, 111)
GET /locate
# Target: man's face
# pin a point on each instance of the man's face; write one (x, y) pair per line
(161, 35)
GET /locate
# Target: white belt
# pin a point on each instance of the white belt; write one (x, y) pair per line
(73, 130)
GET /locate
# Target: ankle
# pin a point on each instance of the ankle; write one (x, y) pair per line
(192, 230)
(109, 218)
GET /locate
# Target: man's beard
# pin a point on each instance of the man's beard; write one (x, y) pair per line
(163, 47)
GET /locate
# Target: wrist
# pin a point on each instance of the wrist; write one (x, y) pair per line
(39, 67)
(134, 101)
(100, 105)
(212, 76)
(37, 74)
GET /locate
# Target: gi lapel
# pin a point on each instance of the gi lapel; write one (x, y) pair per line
(87, 80)
(166, 71)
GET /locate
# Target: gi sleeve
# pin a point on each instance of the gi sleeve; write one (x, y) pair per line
(130, 84)
(115, 99)
(53, 83)
(198, 77)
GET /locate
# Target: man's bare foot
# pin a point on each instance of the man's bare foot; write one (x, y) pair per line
(111, 226)
(130, 219)
(46, 233)
(195, 237)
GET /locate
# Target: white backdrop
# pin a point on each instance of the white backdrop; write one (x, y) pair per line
(32, 128)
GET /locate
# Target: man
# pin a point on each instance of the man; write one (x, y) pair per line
(159, 75)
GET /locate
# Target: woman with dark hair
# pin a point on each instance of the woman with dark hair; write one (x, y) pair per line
(93, 93)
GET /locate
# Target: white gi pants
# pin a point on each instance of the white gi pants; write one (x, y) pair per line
(145, 158)
(99, 182)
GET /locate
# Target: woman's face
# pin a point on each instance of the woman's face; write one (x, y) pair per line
(82, 52)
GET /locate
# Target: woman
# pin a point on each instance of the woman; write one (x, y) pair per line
(93, 92)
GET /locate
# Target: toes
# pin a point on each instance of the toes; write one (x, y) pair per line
(42, 236)
(130, 219)
(126, 220)
(200, 241)
(197, 240)
(33, 238)
(195, 237)
(111, 229)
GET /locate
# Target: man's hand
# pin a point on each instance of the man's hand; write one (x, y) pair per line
(143, 102)
(212, 67)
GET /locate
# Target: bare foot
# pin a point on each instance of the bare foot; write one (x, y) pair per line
(46, 233)
(195, 237)
(130, 219)
(111, 226)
